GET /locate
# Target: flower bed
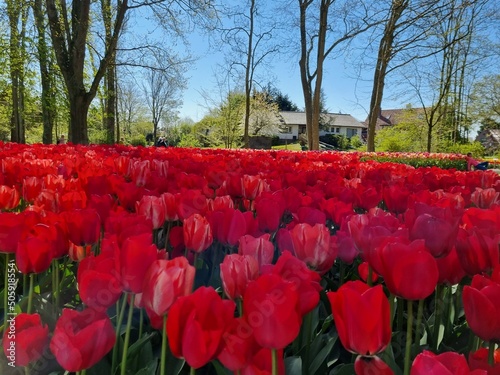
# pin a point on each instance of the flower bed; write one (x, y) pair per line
(166, 261)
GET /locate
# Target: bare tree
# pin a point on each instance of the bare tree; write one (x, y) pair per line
(162, 89)
(250, 35)
(70, 27)
(333, 23)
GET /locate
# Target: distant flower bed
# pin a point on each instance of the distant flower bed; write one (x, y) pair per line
(145, 260)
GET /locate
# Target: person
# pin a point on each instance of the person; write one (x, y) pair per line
(161, 142)
(473, 164)
(61, 140)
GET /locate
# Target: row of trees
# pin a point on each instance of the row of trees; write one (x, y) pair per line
(90, 60)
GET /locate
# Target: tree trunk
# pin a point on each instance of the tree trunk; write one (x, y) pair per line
(248, 76)
(48, 96)
(17, 58)
(383, 59)
(78, 108)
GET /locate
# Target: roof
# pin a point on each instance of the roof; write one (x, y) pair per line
(332, 119)
(390, 117)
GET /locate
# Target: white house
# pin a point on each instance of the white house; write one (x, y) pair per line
(293, 124)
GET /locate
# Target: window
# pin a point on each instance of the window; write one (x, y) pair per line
(351, 132)
(286, 129)
(337, 130)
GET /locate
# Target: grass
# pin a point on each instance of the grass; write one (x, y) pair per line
(290, 146)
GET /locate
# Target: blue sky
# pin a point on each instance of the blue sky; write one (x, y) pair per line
(344, 93)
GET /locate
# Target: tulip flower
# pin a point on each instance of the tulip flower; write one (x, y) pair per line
(25, 339)
(269, 213)
(271, 309)
(196, 325)
(164, 282)
(261, 363)
(477, 251)
(238, 346)
(371, 366)
(362, 317)
(447, 363)
(35, 250)
(403, 266)
(98, 281)
(481, 302)
(197, 233)
(81, 339)
(236, 272)
(153, 208)
(11, 227)
(450, 269)
(32, 186)
(426, 226)
(84, 226)
(260, 248)
(9, 197)
(305, 281)
(228, 226)
(136, 255)
(485, 198)
(478, 360)
(311, 244)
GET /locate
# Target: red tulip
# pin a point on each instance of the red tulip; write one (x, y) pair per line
(35, 250)
(32, 186)
(228, 225)
(485, 198)
(81, 339)
(260, 248)
(261, 363)
(84, 226)
(236, 272)
(477, 252)
(196, 325)
(11, 227)
(25, 339)
(73, 200)
(362, 317)
(238, 345)
(197, 233)
(396, 198)
(336, 210)
(447, 363)
(153, 208)
(136, 256)
(191, 202)
(478, 360)
(481, 302)
(305, 281)
(371, 366)
(9, 197)
(164, 282)
(251, 186)
(426, 226)
(403, 266)
(269, 213)
(311, 244)
(98, 282)
(363, 271)
(77, 253)
(271, 309)
(170, 202)
(311, 216)
(450, 269)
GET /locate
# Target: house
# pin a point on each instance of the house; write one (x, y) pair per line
(293, 125)
(391, 117)
(490, 139)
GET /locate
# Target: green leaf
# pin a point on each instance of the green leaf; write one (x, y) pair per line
(150, 368)
(221, 370)
(293, 365)
(343, 370)
(321, 356)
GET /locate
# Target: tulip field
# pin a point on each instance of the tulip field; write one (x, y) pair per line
(123, 260)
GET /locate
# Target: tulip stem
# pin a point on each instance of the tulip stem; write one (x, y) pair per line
(192, 371)
(274, 358)
(30, 294)
(491, 354)
(400, 316)
(127, 335)
(120, 312)
(370, 273)
(438, 309)
(420, 313)
(391, 308)
(163, 360)
(409, 328)
(57, 286)
(141, 319)
(239, 304)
